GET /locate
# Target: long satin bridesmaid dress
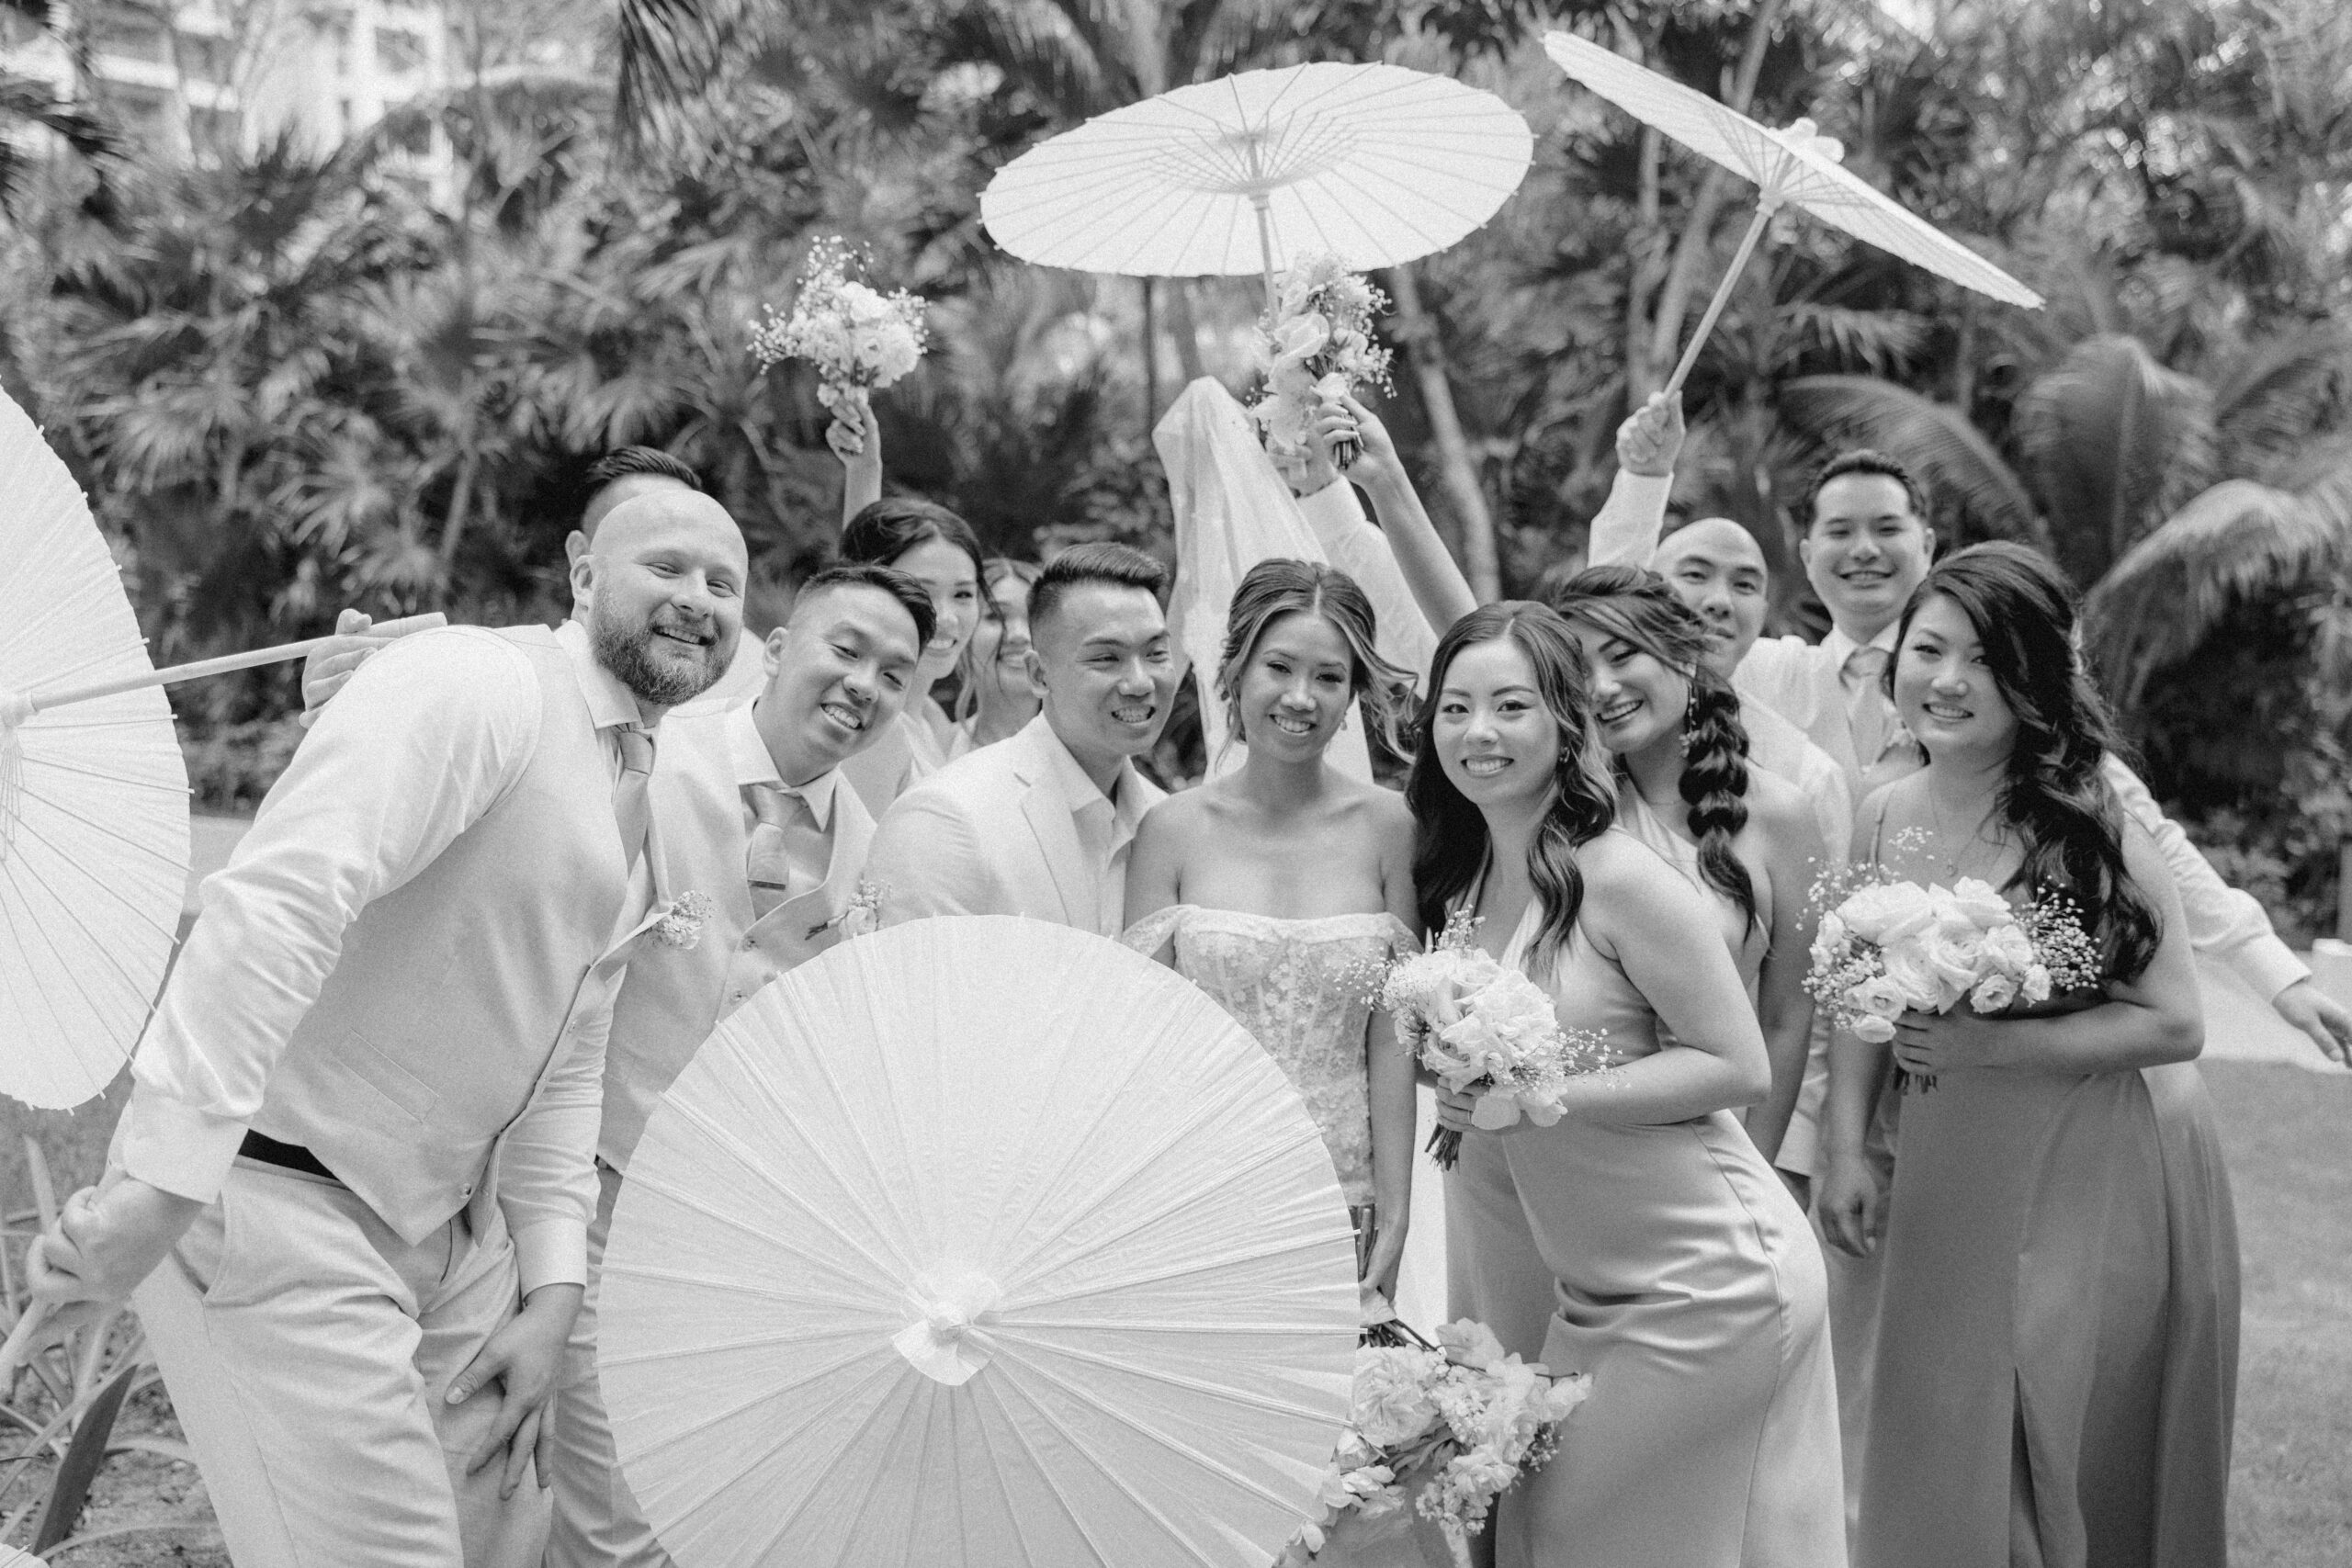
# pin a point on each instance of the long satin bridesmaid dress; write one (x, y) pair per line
(1670, 1263)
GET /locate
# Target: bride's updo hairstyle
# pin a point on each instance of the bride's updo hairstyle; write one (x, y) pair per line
(1280, 587)
(1451, 844)
(1637, 608)
(2023, 611)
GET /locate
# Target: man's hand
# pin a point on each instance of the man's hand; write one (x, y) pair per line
(106, 1239)
(524, 1360)
(2319, 1015)
(329, 667)
(1651, 438)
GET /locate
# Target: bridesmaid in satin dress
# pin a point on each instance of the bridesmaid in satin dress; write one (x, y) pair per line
(2057, 1353)
(1641, 1238)
(1276, 888)
(1745, 836)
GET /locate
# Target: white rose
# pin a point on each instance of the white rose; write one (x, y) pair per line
(1993, 993)
(1832, 933)
(2035, 986)
(1981, 904)
(1879, 996)
(1911, 972)
(2008, 946)
(1886, 912)
(1874, 1029)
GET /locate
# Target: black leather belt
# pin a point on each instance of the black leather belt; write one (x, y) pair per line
(286, 1156)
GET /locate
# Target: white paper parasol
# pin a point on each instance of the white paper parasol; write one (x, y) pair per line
(985, 1242)
(1791, 167)
(1375, 164)
(94, 834)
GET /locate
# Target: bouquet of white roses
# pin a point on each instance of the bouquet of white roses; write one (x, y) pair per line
(1481, 1027)
(1886, 947)
(1316, 347)
(1447, 1428)
(856, 335)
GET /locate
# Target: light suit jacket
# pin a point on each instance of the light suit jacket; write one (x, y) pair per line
(675, 995)
(995, 833)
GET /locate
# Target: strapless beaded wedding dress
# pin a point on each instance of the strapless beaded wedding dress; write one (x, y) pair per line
(1302, 989)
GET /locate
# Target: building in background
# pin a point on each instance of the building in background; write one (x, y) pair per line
(194, 78)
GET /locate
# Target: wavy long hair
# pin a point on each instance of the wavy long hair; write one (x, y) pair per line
(1451, 844)
(2052, 792)
(1637, 607)
(1280, 587)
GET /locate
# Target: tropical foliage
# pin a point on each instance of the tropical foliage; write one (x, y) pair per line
(293, 382)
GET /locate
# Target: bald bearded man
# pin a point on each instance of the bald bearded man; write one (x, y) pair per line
(618, 476)
(354, 1182)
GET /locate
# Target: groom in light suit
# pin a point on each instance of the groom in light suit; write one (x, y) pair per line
(355, 1180)
(1041, 824)
(756, 817)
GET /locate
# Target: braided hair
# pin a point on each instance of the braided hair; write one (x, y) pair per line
(1637, 607)
(2052, 791)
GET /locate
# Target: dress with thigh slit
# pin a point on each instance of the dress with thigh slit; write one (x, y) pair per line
(1672, 1265)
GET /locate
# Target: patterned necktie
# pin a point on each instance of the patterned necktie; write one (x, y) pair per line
(632, 811)
(1867, 710)
(782, 815)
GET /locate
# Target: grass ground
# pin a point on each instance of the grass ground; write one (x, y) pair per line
(2290, 1139)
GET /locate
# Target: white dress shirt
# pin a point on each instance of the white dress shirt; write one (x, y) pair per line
(808, 831)
(1106, 826)
(467, 707)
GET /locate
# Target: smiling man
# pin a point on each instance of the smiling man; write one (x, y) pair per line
(756, 817)
(354, 1182)
(1042, 824)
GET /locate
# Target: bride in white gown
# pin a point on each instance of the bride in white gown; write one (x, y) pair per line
(1278, 887)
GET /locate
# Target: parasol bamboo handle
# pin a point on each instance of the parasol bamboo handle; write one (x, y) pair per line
(1747, 242)
(1262, 203)
(250, 658)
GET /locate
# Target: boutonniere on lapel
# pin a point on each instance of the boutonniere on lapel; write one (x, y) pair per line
(860, 917)
(681, 925)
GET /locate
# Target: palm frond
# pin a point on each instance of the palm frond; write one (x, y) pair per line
(2279, 395)
(670, 49)
(1951, 455)
(2236, 541)
(2115, 441)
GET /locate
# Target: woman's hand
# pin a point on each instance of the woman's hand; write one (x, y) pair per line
(1454, 1109)
(1387, 1252)
(1349, 420)
(1927, 1043)
(1849, 1204)
(855, 437)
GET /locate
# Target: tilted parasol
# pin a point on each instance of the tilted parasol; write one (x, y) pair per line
(979, 1242)
(93, 834)
(1375, 164)
(1793, 167)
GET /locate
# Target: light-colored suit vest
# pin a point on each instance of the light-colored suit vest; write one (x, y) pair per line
(452, 990)
(674, 997)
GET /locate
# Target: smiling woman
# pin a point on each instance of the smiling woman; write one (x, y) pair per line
(938, 549)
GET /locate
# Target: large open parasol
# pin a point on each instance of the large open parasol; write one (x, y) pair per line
(94, 834)
(1793, 167)
(979, 1242)
(1373, 165)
